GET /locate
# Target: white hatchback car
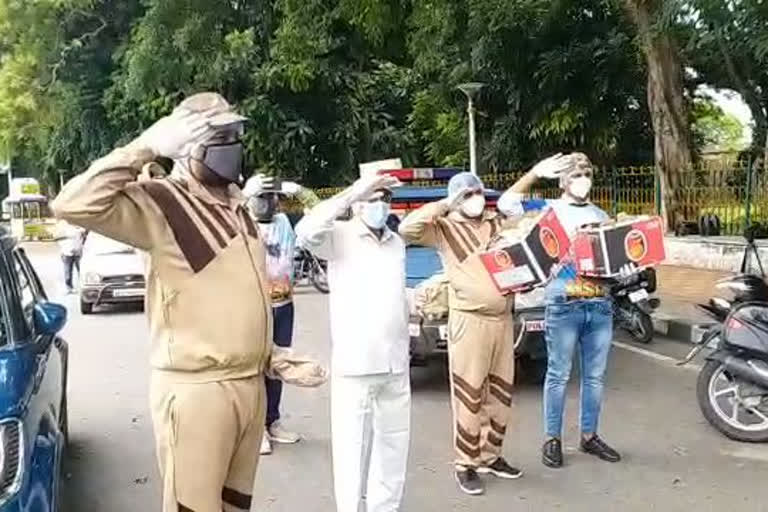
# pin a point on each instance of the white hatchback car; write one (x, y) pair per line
(110, 273)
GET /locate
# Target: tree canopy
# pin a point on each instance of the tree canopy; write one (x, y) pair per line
(330, 83)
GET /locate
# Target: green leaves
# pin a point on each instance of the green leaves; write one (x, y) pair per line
(326, 83)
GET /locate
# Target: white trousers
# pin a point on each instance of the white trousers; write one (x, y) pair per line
(370, 430)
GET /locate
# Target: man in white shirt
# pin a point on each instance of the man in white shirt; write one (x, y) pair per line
(71, 239)
(370, 384)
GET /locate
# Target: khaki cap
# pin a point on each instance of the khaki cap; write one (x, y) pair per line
(222, 113)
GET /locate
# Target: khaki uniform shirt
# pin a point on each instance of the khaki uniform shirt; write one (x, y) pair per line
(460, 241)
(208, 306)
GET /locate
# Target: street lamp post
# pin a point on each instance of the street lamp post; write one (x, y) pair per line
(471, 89)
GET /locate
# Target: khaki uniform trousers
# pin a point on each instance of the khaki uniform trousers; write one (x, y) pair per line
(482, 366)
(208, 437)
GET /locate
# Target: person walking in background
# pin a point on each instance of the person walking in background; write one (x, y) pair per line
(370, 381)
(71, 239)
(264, 193)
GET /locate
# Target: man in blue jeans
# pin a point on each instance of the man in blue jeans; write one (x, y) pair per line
(579, 310)
(263, 193)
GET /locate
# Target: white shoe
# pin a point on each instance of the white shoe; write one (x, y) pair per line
(266, 446)
(279, 435)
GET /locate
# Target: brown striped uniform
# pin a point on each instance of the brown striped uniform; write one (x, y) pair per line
(459, 241)
(480, 330)
(209, 317)
(209, 313)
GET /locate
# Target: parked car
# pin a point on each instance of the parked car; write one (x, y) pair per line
(33, 383)
(110, 273)
(429, 337)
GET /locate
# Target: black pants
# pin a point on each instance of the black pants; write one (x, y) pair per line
(282, 319)
(70, 263)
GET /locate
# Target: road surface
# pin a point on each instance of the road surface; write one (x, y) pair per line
(673, 461)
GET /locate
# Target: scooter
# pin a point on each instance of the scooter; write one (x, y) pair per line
(633, 305)
(732, 386)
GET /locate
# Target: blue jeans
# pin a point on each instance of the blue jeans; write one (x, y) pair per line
(588, 323)
(71, 262)
(282, 335)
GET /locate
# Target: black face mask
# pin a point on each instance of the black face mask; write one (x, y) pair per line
(265, 207)
(225, 160)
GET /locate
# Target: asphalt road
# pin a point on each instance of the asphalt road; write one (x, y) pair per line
(672, 459)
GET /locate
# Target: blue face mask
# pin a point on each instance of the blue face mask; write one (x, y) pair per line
(375, 214)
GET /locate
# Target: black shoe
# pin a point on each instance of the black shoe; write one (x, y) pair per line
(501, 469)
(597, 447)
(469, 482)
(552, 453)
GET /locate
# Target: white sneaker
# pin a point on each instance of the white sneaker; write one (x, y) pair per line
(279, 435)
(266, 446)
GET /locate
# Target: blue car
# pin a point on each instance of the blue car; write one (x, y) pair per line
(33, 378)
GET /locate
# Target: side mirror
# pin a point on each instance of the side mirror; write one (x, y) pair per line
(49, 318)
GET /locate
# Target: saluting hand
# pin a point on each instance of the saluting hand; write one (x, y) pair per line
(365, 187)
(175, 135)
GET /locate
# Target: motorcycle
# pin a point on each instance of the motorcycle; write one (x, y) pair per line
(732, 386)
(308, 268)
(633, 305)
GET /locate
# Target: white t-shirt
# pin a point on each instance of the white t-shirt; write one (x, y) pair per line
(71, 239)
(572, 216)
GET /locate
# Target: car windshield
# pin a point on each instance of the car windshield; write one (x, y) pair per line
(99, 244)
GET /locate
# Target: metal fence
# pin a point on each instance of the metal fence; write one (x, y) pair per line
(737, 194)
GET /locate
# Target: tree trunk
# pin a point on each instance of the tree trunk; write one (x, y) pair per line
(666, 102)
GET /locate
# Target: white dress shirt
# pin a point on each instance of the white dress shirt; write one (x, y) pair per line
(366, 275)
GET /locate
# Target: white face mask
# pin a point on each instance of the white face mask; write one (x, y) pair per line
(580, 187)
(474, 206)
(375, 214)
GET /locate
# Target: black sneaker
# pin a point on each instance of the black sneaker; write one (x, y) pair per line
(597, 447)
(552, 453)
(501, 469)
(469, 482)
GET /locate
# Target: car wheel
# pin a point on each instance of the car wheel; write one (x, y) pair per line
(86, 308)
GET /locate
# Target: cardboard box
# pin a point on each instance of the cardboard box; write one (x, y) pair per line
(527, 262)
(372, 168)
(602, 251)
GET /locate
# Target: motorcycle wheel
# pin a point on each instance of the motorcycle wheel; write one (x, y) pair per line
(642, 331)
(718, 394)
(319, 278)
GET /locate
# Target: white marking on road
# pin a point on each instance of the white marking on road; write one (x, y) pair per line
(661, 358)
(758, 453)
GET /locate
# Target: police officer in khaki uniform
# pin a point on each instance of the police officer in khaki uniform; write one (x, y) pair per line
(208, 307)
(481, 345)
(480, 327)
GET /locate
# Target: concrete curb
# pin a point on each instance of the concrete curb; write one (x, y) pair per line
(679, 329)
